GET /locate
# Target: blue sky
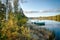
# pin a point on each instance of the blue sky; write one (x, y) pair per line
(38, 5)
(44, 7)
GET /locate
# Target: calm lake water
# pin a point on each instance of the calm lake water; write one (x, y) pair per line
(54, 26)
(51, 25)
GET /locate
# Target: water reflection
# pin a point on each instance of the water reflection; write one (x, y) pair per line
(51, 25)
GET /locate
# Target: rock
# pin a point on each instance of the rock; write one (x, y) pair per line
(41, 33)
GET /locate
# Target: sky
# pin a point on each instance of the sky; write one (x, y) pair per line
(43, 7)
(37, 8)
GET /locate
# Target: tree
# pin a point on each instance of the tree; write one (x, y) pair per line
(2, 11)
(22, 19)
(10, 6)
(16, 6)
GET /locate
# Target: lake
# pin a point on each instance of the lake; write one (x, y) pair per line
(51, 25)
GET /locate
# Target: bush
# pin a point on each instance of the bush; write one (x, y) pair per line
(9, 30)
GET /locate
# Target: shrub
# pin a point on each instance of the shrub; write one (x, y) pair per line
(9, 30)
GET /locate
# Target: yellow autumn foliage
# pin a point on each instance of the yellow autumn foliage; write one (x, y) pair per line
(25, 31)
(11, 31)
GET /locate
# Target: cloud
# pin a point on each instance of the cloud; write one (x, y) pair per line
(52, 10)
(31, 11)
(43, 11)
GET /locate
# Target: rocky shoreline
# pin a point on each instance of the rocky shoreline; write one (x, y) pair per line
(40, 33)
